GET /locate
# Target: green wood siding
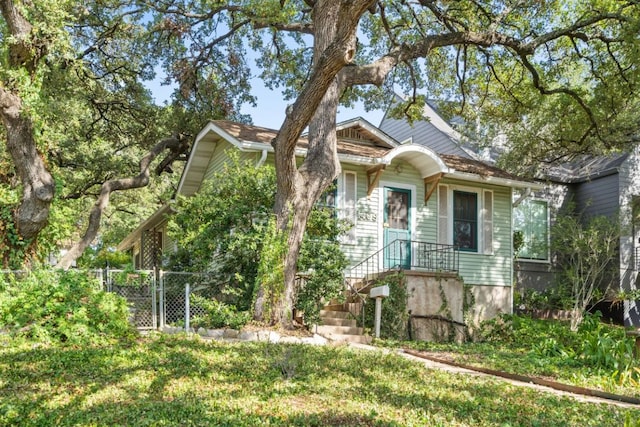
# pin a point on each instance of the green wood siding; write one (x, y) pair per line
(475, 268)
(221, 155)
(490, 269)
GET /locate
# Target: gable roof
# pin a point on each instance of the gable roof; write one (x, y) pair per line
(434, 132)
(359, 142)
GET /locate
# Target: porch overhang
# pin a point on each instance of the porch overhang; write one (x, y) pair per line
(423, 159)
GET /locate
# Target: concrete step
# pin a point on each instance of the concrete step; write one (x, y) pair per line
(337, 321)
(360, 339)
(334, 307)
(335, 314)
(340, 330)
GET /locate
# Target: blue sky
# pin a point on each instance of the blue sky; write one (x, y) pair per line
(270, 109)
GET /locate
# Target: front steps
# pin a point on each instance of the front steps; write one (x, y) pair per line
(337, 324)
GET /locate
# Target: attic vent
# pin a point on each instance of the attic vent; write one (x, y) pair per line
(350, 133)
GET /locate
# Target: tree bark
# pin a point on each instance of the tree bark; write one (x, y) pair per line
(335, 25)
(37, 183)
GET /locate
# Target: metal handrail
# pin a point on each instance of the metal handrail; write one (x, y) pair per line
(408, 254)
(402, 254)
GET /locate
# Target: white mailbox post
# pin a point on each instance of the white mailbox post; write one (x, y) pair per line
(378, 293)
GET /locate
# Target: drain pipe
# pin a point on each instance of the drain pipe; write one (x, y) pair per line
(263, 158)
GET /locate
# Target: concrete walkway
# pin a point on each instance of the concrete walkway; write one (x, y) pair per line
(430, 364)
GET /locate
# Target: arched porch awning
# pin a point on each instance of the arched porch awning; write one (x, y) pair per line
(430, 166)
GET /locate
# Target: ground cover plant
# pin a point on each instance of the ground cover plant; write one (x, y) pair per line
(597, 356)
(179, 380)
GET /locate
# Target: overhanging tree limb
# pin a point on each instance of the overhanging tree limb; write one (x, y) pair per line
(176, 144)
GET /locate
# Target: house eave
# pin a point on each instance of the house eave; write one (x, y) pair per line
(302, 152)
(154, 220)
(503, 182)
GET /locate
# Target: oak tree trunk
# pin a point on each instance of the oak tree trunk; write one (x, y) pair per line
(335, 24)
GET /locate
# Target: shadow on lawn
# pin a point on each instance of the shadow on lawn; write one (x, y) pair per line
(181, 381)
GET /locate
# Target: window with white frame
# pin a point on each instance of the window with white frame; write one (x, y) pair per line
(531, 229)
(465, 218)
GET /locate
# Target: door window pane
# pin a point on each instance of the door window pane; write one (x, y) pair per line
(398, 209)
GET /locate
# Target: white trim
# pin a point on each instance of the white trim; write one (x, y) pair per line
(440, 166)
(505, 182)
(352, 237)
(359, 121)
(479, 192)
(487, 222)
(513, 228)
(443, 236)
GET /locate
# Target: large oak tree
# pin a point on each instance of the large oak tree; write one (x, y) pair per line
(555, 77)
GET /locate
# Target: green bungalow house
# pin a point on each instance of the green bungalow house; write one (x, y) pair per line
(444, 219)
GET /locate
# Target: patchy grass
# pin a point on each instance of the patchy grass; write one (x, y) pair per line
(545, 349)
(176, 380)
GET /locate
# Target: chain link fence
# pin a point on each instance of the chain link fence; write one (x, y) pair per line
(139, 288)
(176, 291)
(156, 298)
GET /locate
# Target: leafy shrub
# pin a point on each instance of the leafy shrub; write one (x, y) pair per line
(585, 248)
(554, 298)
(394, 317)
(605, 347)
(62, 307)
(225, 230)
(594, 344)
(324, 262)
(218, 314)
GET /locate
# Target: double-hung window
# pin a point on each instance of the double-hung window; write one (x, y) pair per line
(531, 224)
(465, 219)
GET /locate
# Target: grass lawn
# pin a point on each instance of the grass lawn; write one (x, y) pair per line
(540, 348)
(176, 380)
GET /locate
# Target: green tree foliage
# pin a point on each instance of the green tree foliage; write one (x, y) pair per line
(395, 316)
(555, 78)
(77, 114)
(227, 230)
(220, 229)
(585, 249)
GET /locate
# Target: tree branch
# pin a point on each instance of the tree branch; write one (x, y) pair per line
(173, 144)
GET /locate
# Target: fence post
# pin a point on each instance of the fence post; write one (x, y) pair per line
(161, 306)
(187, 291)
(154, 299)
(108, 280)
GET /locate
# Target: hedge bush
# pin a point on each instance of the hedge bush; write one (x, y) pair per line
(52, 306)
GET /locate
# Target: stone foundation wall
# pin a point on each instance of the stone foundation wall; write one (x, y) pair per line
(490, 301)
(436, 305)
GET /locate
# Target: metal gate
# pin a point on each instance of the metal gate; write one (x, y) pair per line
(139, 288)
